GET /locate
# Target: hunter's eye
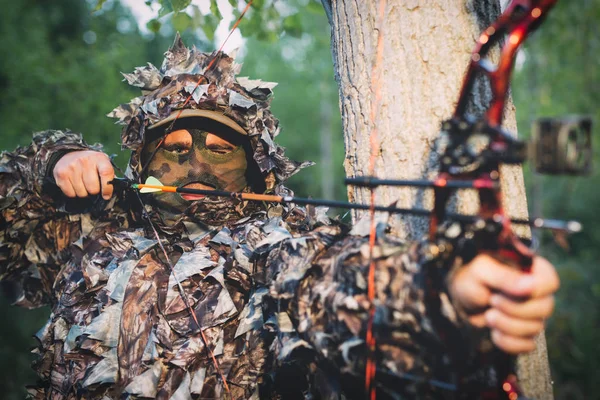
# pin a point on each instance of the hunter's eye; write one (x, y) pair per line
(218, 145)
(178, 149)
(178, 142)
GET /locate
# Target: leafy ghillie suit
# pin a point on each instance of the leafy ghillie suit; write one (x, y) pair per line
(280, 293)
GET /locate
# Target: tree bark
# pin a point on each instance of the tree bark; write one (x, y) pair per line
(427, 45)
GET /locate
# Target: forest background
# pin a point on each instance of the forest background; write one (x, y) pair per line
(60, 69)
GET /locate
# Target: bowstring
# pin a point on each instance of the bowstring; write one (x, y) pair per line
(182, 294)
(155, 231)
(371, 369)
(212, 62)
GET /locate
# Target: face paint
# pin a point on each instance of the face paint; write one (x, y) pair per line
(195, 158)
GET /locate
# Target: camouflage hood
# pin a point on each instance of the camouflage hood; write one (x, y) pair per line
(188, 74)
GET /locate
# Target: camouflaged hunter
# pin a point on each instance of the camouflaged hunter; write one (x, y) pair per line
(279, 292)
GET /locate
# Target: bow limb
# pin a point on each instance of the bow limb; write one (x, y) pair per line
(519, 19)
(371, 368)
(155, 231)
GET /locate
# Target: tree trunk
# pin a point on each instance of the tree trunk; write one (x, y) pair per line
(427, 44)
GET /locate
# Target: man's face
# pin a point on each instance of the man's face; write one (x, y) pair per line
(209, 157)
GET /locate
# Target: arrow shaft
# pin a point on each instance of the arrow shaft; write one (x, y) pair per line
(568, 226)
(366, 181)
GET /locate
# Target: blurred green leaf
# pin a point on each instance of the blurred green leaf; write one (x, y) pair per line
(267, 36)
(99, 4)
(153, 25)
(293, 25)
(251, 24)
(209, 24)
(214, 9)
(181, 22)
(233, 3)
(178, 5)
(258, 4)
(315, 6)
(272, 15)
(165, 9)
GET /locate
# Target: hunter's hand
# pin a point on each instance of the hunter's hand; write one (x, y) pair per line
(84, 173)
(512, 303)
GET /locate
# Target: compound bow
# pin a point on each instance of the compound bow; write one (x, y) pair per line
(471, 152)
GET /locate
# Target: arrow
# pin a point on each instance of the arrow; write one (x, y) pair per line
(153, 185)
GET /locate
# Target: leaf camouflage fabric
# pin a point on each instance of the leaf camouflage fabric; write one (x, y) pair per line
(280, 293)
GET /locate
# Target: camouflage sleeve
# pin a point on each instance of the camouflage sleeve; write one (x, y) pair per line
(322, 293)
(34, 231)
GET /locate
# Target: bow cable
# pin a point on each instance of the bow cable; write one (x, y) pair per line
(155, 231)
(187, 100)
(370, 370)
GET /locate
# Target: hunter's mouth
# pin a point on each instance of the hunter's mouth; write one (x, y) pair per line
(196, 185)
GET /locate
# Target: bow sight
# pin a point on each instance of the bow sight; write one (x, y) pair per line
(470, 148)
(562, 146)
(557, 146)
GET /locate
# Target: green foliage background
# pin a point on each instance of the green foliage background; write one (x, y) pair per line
(59, 69)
